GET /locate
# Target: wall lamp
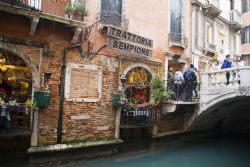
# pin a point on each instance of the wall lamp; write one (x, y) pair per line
(46, 78)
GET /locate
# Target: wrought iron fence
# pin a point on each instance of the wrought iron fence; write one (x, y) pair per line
(235, 16)
(14, 118)
(212, 2)
(210, 46)
(53, 7)
(113, 18)
(139, 116)
(176, 38)
(186, 91)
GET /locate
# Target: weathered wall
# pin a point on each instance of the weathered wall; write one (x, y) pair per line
(175, 121)
(146, 18)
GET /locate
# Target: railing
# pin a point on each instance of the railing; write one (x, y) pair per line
(231, 77)
(139, 116)
(53, 7)
(212, 2)
(14, 118)
(235, 16)
(186, 91)
(209, 46)
(113, 18)
(177, 39)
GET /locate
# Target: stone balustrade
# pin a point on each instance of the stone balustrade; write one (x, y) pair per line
(217, 79)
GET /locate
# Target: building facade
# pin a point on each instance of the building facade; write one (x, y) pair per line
(86, 57)
(245, 32)
(215, 32)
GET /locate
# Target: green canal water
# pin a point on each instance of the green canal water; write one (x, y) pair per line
(227, 152)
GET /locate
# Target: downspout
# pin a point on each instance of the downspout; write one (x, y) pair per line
(61, 91)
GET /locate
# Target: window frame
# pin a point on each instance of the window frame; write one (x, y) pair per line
(69, 68)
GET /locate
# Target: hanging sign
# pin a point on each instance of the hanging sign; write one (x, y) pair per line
(129, 42)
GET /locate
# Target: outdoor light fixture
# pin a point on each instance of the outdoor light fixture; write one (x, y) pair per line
(123, 79)
(47, 76)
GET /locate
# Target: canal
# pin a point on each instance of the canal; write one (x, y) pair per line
(230, 151)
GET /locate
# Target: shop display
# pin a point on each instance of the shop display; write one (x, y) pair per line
(15, 90)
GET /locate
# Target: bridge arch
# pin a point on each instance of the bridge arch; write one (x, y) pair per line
(230, 114)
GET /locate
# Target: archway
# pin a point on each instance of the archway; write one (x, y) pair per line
(225, 116)
(18, 79)
(136, 78)
(137, 87)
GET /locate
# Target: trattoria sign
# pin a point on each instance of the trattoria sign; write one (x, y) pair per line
(129, 42)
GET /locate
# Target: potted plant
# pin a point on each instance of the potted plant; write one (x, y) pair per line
(68, 9)
(159, 92)
(80, 9)
(30, 105)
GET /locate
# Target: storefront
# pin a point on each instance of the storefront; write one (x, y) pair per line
(15, 91)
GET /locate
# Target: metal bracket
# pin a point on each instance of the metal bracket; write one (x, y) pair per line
(90, 48)
(92, 55)
(88, 30)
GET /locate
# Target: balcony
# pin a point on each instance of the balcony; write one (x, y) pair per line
(210, 7)
(177, 40)
(47, 9)
(107, 18)
(235, 20)
(210, 48)
(139, 116)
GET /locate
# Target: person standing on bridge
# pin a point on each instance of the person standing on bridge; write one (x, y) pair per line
(190, 77)
(178, 82)
(227, 64)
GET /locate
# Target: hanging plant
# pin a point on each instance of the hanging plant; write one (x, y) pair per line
(160, 92)
(30, 105)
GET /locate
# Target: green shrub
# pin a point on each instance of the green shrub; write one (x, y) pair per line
(159, 92)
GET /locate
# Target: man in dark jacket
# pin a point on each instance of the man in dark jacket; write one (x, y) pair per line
(227, 64)
(190, 77)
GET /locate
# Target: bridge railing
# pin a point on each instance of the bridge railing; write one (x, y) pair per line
(237, 76)
(187, 91)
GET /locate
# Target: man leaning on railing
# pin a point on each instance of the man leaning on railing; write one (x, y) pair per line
(190, 77)
(227, 64)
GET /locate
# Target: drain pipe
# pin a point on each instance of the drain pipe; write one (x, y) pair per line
(61, 91)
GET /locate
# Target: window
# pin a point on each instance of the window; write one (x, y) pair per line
(231, 4)
(111, 11)
(209, 32)
(232, 42)
(176, 19)
(245, 35)
(245, 6)
(83, 83)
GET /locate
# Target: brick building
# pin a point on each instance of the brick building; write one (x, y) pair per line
(245, 32)
(221, 35)
(85, 64)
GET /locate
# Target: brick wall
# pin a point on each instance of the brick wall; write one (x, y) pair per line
(82, 121)
(175, 121)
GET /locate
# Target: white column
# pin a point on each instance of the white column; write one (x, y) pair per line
(117, 122)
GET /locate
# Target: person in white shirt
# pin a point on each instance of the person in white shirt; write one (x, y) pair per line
(178, 82)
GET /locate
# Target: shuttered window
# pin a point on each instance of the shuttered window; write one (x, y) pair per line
(176, 16)
(111, 11)
(83, 83)
(245, 6)
(245, 35)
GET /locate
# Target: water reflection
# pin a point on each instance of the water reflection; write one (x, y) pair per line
(233, 152)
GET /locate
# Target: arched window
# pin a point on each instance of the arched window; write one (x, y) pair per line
(137, 85)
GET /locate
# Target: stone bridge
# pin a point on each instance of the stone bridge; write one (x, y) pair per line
(222, 105)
